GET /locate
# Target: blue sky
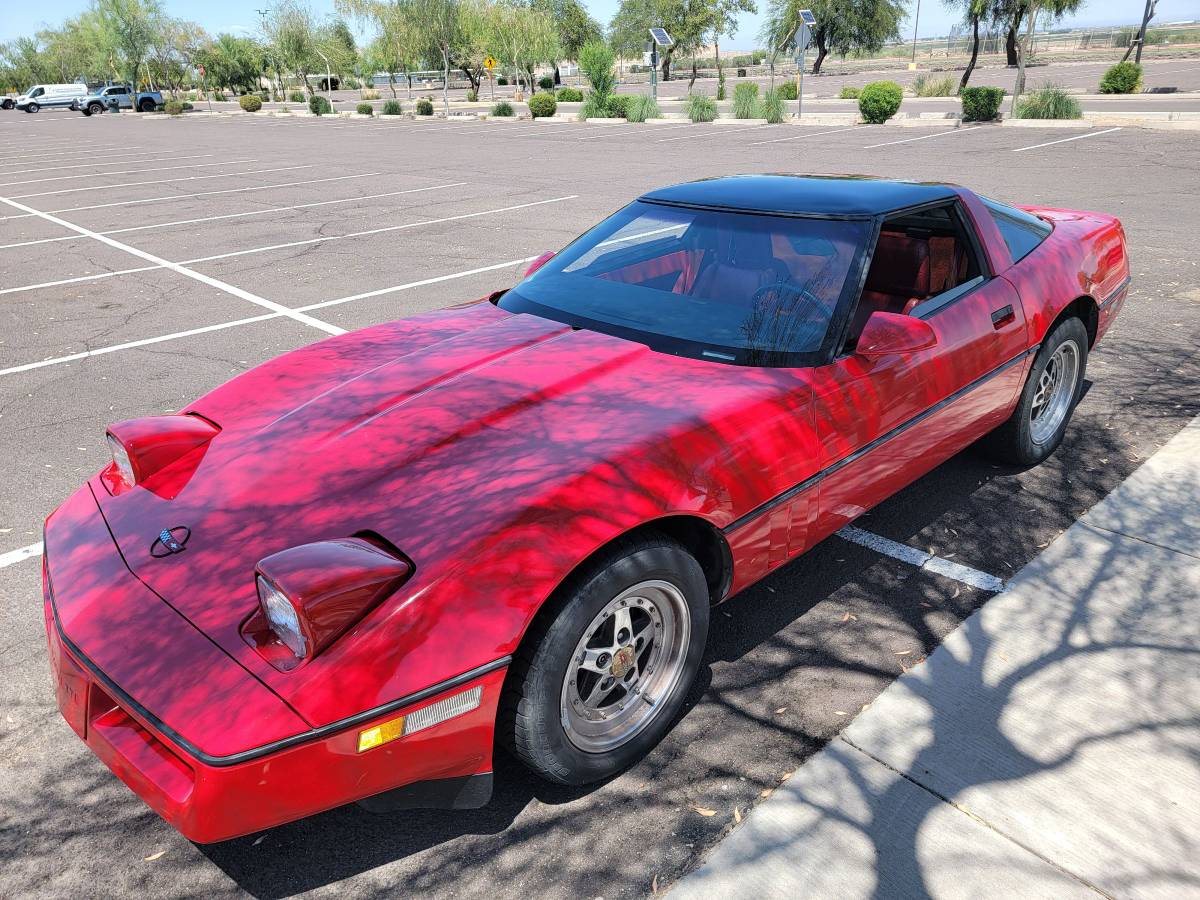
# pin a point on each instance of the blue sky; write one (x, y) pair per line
(229, 15)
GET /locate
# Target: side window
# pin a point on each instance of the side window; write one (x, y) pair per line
(37, 92)
(1021, 231)
(920, 257)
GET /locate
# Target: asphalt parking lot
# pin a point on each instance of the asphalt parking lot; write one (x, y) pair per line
(144, 262)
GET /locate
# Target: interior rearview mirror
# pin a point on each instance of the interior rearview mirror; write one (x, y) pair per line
(887, 333)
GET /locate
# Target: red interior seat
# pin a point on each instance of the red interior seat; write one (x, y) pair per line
(899, 275)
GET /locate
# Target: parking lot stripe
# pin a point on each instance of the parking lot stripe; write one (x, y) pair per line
(720, 129)
(76, 280)
(384, 230)
(170, 168)
(125, 184)
(15, 556)
(221, 326)
(183, 270)
(75, 151)
(923, 137)
(921, 559)
(115, 162)
(799, 137)
(1078, 137)
(237, 215)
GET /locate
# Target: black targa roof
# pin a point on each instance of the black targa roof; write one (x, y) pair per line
(814, 195)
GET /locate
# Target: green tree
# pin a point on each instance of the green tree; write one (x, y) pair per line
(725, 22)
(572, 24)
(294, 41)
(1053, 10)
(446, 27)
(129, 29)
(523, 37)
(237, 63)
(843, 26)
(687, 21)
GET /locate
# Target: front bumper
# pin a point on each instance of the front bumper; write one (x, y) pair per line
(212, 798)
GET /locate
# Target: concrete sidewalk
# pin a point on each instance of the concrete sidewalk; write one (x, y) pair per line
(1049, 748)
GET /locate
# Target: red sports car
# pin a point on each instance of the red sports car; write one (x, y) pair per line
(347, 573)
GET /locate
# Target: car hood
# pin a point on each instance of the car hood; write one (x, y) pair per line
(432, 432)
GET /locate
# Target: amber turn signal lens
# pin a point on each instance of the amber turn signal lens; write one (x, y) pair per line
(381, 734)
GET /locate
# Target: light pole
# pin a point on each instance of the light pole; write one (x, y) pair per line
(328, 78)
(916, 22)
(803, 39)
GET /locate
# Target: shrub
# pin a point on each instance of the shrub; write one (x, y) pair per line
(424, 107)
(1049, 102)
(472, 95)
(879, 101)
(368, 94)
(848, 93)
(191, 95)
(319, 106)
(365, 109)
(219, 97)
(741, 73)
(1123, 78)
(250, 103)
(501, 81)
(701, 108)
(596, 63)
(745, 100)
(926, 86)
(542, 105)
(187, 105)
(618, 106)
(546, 83)
(296, 97)
(392, 108)
(173, 108)
(771, 107)
(642, 107)
(980, 104)
(787, 90)
(594, 107)
(570, 95)
(502, 110)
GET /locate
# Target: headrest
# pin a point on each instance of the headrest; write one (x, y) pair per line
(746, 248)
(900, 266)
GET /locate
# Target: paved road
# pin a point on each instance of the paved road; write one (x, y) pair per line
(783, 663)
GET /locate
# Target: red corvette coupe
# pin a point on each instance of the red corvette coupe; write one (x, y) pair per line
(347, 573)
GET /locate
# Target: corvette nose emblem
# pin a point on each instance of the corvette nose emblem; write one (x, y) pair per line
(170, 541)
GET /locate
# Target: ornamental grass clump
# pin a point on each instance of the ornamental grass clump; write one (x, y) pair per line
(701, 108)
(642, 107)
(1048, 102)
(745, 100)
(772, 107)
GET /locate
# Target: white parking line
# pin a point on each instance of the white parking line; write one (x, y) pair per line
(237, 215)
(88, 151)
(15, 556)
(800, 137)
(115, 162)
(99, 276)
(170, 168)
(182, 270)
(720, 129)
(921, 559)
(1078, 137)
(125, 184)
(923, 137)
(221, 326)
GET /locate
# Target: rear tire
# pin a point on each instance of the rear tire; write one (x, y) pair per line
(146, 105)
(600, 681)
(1037, 425)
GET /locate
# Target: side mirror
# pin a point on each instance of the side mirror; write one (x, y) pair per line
(539, 262)
(889, 333)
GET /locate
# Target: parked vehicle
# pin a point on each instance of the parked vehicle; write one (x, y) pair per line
(117, 95)
(8, 101)
(51, 96)
(343, 575)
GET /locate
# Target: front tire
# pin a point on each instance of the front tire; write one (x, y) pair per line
(32, 108)
(597, 684)
(94, 109)
(1037, 425)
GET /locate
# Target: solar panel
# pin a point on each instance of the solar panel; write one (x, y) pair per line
(807, 17)
(661, 37)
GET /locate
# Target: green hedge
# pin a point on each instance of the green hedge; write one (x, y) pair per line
(546, 83)
(849, 93)
(296, 97)
(365, 109)
(570, 95)
(319, 106)
(173, 107)
(879, 101)
(1123, 78)
(425, 107)
(250, 103)
(981, 104)
(392, 108)
(618, 105)
(787, 90)
(502, 110)
(542, 105)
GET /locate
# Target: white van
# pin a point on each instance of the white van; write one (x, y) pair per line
(51, 95)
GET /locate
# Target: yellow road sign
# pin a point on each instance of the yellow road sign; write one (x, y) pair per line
(489, 63)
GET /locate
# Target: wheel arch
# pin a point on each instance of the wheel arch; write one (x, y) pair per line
(1083, 308)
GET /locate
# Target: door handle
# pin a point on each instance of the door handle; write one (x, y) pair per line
(1002, 316)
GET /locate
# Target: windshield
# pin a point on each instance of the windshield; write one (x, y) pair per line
(734, 287)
